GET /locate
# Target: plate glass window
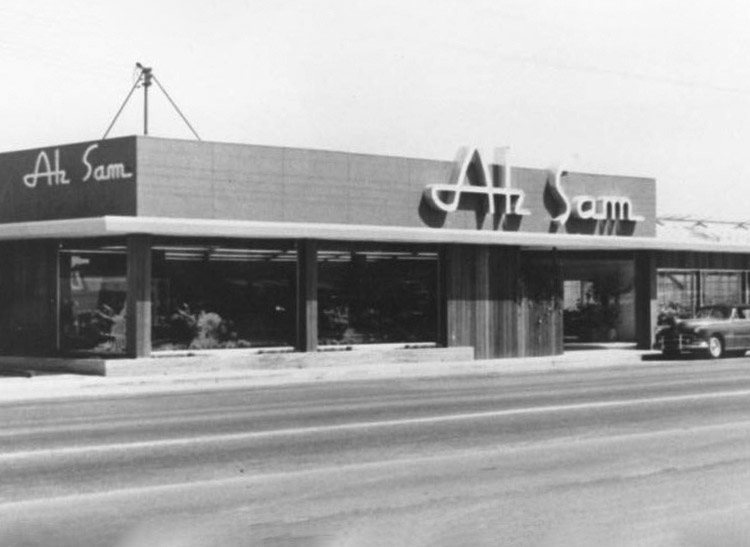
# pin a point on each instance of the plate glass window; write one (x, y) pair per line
(93, 296)
(377, 296)
(209, 296)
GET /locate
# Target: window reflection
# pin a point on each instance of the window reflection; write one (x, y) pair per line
(93, 293)
(383, 296)
(680, 292)
(677, 295)
(721, 288)
(598, 299)
(207, 297)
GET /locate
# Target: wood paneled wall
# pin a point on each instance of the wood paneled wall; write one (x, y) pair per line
(28, 289)
(495, 303)
(541, 317)
(646, 307)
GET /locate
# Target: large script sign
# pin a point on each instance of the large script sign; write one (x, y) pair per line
(72, 181)
(447, 197)
(586, 207)
(54, 175)
(490, 189)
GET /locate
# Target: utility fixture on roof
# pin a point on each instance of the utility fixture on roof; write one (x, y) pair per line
(145, 78)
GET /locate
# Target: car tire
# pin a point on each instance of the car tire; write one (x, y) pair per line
(715, 347)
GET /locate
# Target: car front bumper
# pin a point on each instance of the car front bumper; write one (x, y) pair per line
(682, 342)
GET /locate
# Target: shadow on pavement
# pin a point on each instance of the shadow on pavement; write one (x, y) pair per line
(22, 373)
(586, 347)
(577, 346)
(685, 357)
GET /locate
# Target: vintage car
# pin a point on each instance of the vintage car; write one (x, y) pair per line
(718, 330)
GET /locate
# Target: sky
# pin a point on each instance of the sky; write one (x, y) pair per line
(648, 88)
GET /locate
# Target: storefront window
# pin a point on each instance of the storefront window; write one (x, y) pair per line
(721, 288)
(679, 294)
(93, 294)
(598, 299)
(220, 296)
(676, 294)
(576, 293)
(383, 296)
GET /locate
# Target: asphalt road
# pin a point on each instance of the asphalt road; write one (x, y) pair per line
(650, 455)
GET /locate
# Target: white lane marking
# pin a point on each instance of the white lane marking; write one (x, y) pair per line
(230, 437)
(391, 466)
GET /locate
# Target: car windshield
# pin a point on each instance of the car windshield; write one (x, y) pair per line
(713, 312)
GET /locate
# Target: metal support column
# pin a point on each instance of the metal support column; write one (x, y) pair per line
(139, 296)
(307, 296)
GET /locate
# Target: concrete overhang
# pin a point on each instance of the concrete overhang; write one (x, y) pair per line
(190, 227)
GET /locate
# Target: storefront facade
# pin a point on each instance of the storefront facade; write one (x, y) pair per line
(136, 246)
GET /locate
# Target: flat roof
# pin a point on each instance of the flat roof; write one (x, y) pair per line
(108, 226)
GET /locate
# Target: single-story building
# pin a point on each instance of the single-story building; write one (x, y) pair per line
(137, 247)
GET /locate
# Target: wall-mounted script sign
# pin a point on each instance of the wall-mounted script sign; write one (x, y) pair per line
(79, 180)
(447, 197)
(52, 174)
(43, 169)
(588, 207)
(492, 185)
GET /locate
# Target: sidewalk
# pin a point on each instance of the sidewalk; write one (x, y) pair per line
(51, 386)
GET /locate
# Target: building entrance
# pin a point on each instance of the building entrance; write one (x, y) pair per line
(598, 299)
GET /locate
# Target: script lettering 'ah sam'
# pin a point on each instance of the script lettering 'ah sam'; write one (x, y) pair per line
(102, 172)
(43, 170)
(447, 197)
(588, 207)
(51, 172)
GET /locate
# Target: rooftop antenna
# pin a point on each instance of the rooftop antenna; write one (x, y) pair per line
(145, 78)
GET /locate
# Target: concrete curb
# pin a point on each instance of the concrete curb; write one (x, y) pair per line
(49, 387)
(202, 361)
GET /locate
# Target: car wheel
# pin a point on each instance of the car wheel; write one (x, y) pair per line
(715, 347)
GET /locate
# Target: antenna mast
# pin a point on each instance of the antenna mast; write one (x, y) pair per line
(145, 78)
